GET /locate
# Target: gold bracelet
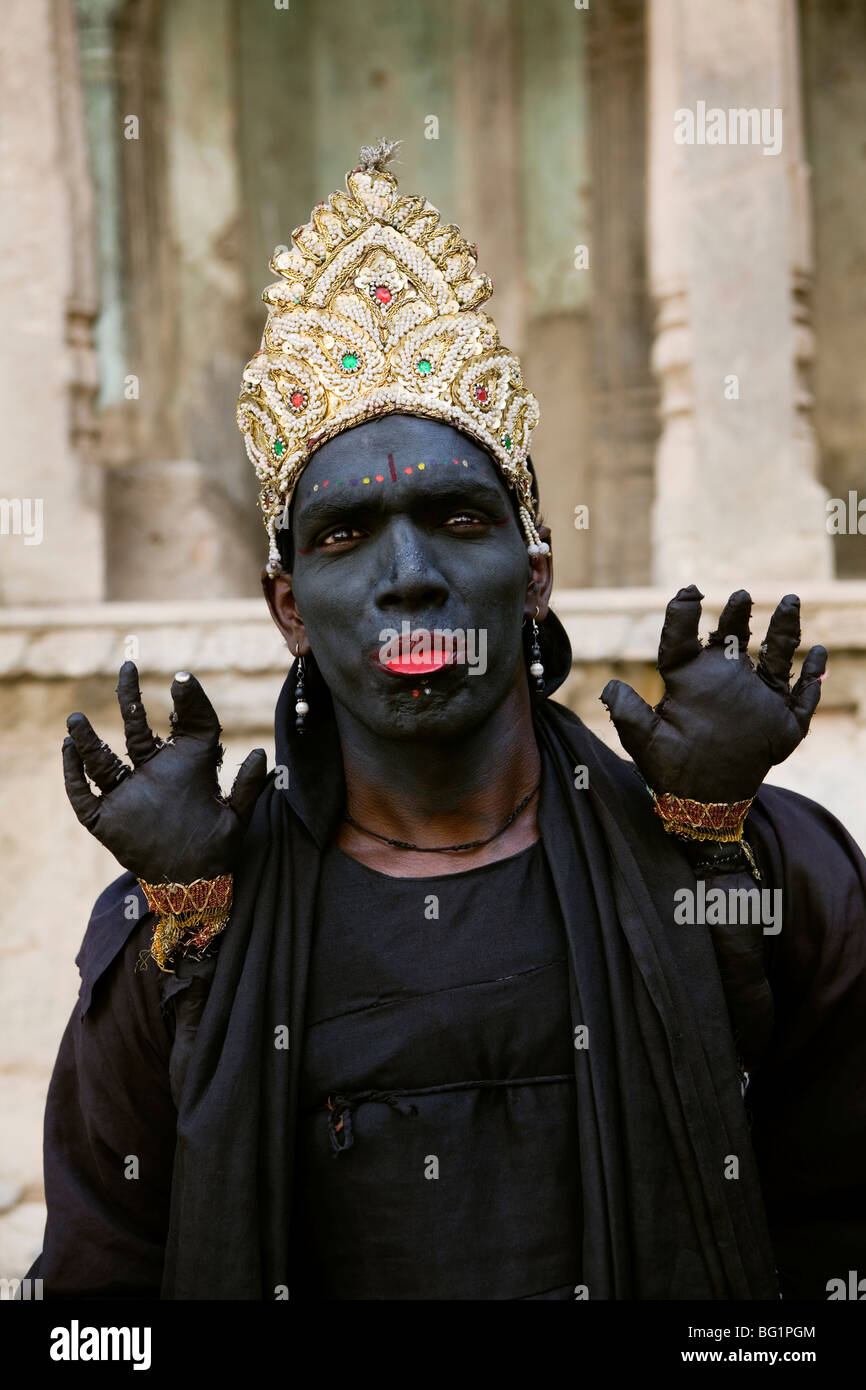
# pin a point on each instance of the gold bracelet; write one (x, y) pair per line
(188, 915)
(701, 820)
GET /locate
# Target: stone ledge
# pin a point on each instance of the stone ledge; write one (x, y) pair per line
(624, 624)
(80, 640)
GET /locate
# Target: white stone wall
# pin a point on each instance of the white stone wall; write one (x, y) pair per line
(47, 364)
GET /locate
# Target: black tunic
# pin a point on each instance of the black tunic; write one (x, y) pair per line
(438, 1128)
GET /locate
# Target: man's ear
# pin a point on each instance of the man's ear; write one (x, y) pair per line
(280, 599)
(541, 580)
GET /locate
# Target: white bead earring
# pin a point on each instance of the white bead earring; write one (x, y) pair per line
(536, 669)
(302, 709)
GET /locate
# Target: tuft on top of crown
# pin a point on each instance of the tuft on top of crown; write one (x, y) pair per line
(376, 312)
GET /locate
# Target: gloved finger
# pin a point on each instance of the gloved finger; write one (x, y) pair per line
(780, 643)
(140, 742)
(807, 691)
(679, 639)
(85, 805)
(101, 763)
(193, 714)
(635, 720)
(251, 777)
(734, 621)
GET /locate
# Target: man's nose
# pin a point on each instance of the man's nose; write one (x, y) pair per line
(408, 573)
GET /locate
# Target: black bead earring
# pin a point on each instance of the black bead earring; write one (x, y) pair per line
(536, 668)
(302, 709)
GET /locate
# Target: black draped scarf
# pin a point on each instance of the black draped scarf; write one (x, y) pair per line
(660, 1110)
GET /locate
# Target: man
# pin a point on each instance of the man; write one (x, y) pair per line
(455, 1003)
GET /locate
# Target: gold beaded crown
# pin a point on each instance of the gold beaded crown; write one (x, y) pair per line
(376, 312)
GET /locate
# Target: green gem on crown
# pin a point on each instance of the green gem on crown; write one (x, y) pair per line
(279, 448)
(507, 442)
(349, 361)
(424, 365)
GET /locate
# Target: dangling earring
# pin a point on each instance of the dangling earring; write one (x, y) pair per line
(535, 667)
(301, 707)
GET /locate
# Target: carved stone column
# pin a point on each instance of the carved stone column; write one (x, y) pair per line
(99, 93)
(51, 540)
(184, 517)
(737, 498)
(624, 413)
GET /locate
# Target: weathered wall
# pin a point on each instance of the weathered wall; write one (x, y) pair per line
(834, 98)
(51, 540)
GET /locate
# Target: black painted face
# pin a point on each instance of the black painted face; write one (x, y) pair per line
(405, 526)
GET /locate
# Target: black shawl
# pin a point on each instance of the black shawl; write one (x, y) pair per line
(660, 1107)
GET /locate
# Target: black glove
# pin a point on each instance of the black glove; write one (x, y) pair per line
(166, 821)
(723, 722)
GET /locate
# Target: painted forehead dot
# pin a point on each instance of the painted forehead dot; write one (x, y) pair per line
(380, 477)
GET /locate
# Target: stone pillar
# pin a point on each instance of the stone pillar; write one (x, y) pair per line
(100, 90)
(557, 260)
(205, 228)
(51, 535)
(737, 497)
(99, 94)
(833, 49)
(183, 512)
(625, 400)
(488, 203)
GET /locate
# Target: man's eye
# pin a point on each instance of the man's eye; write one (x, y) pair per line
(339, 535)
(467, 519)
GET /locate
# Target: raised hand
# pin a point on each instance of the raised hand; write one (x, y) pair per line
(165, 819)
(723, 721)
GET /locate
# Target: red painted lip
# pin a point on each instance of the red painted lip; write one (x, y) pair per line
(407, 667)
(412, 664)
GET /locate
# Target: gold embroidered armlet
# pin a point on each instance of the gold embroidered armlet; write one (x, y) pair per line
(701, 820)
(188, 915)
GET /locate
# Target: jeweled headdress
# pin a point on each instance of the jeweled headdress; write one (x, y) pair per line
(376, 312)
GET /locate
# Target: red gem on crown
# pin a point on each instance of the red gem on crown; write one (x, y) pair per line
(481, 394)
(298, 399)
(383, 294)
